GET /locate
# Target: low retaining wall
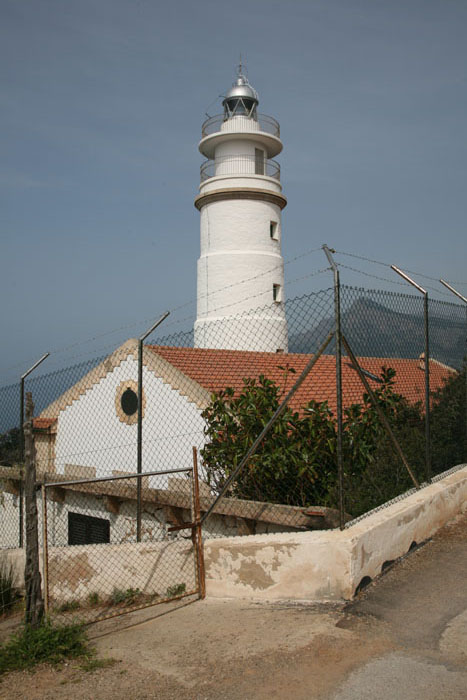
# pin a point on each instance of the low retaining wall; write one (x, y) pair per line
(330, 565)
(318, 565)
(79, 571)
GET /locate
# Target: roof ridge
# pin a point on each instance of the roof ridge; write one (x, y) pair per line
(93, 377)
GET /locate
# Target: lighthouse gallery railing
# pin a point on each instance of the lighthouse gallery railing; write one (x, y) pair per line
(266, 124)
(239, 165)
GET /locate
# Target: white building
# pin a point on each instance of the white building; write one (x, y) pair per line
(240, 269)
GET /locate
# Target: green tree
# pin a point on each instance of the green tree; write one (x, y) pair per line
(374, 473)
(10, 447)
(449, 422)
(295, 462)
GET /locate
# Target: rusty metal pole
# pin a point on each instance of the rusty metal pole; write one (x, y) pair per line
(197, 529)
(462, 298)
(379, 410)
(337, 314)
(427, 370)
(139, 448)
(427, 392)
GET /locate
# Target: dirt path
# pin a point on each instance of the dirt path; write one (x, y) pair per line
(406, 637)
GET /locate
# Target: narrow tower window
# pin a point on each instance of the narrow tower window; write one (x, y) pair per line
(259, 161)
(276, 293)
(273, 230)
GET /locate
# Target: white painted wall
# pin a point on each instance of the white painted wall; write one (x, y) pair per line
(240, 123)
(239, 261)
(9, 520)
(89, 432)
(238, 266)
(259, 182)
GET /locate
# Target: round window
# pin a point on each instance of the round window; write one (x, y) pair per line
(126, 402)
(129, 402)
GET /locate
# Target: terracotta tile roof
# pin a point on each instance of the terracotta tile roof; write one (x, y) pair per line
(43, 423)
(217, 369)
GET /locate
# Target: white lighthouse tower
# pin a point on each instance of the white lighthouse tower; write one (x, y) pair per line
(240, 300)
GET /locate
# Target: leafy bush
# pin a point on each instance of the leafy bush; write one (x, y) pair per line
(128, 596)
(93, 598)
(373, 472)
(175, 590)
(46, 643)
(68, 606)
(10, 447)
(296, 464)
(449, 422)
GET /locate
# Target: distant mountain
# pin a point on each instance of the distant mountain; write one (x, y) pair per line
(375, 330)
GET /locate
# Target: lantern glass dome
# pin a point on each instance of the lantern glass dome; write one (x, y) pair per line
(241, 99)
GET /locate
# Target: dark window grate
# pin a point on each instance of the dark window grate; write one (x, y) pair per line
(84, 529)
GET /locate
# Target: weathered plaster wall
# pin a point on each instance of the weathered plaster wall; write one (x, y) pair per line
(320, 565)
(76, 572)
(329, 565)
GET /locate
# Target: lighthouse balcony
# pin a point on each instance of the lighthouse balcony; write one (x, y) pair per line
(264, 131)
(262, 122)
(240, 165)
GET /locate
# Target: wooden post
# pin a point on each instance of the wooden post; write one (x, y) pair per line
(197, 529)
(32, 576)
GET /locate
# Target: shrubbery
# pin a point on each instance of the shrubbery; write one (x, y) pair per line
(296, 464)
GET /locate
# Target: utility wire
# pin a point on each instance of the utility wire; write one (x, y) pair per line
(384, 264)
(386, 279)
(136, 324)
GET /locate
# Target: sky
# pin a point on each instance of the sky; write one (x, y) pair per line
(101, 106)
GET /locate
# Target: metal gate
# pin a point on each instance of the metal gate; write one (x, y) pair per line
(111, 546)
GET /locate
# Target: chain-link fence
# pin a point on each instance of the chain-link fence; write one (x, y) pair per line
(219, 399)
(95, 567)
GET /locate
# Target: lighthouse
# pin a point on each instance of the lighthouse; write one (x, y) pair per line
(240, 290)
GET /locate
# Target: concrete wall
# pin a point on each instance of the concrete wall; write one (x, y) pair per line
(330, 565)
(320, 565)
(75, 572)
(79, 571)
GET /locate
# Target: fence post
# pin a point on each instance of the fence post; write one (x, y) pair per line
(45, 547)
(139, 455)
(427, 370)
(337, 313)
(427, 392)
(21, 442)
(197, 529)
(462, 298)
(379, 411)
(32, 576)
